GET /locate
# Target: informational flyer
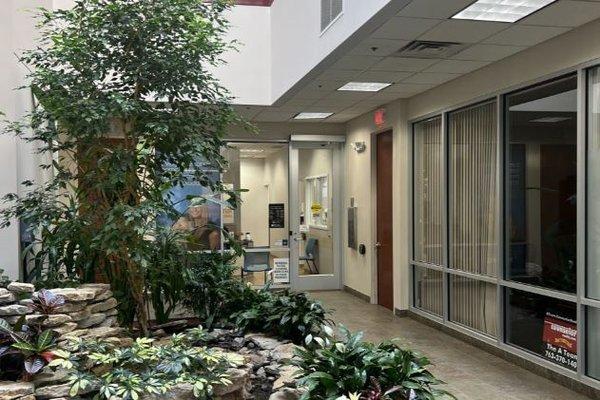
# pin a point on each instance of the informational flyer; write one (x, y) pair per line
(560, 340)
(281, 270)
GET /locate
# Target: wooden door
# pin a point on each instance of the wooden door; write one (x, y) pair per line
(385, 239)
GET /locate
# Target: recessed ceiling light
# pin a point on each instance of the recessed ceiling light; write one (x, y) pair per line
(501, 10)
(313, 115)
(364, 86)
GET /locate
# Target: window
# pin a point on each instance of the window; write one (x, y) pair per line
(429, 290)
(473, 303)
(543, 325)
(593, 342)
(593, 188)
(473, 189)
(542, 184)
(428, 191)
(330, 11)
(317, 201)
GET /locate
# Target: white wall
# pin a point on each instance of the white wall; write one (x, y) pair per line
(255, 202)
(17, 161)
(297, 43)
(276, 174)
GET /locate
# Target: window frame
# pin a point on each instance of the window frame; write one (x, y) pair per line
(580, 298)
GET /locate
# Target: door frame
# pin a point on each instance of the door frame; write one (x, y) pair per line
(326, 281)
(373, 257)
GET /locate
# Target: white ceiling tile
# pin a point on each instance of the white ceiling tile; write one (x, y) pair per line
(409, 88)
(300, 102)
(433, 78)
(359, 63)
(382, 76)
(487, 52)
(456, 66)
(399, 64)
(338, 75)
(565, 13)
(463, 31)
(525, 35)
(378, 47)
(404, 28)
(274, 116)
(248, 112)
(434, 8)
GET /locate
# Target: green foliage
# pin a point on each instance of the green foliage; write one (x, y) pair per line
(45, 302)
(144, 368)
(212, 291)
(128, 109)
(331, 368)
(4, 279)
(24, 350)
(288, 315)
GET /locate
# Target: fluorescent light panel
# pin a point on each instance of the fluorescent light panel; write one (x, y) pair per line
(501, 10)
(364, 86)
(313, 115)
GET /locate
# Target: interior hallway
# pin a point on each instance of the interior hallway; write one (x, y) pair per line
(471, 373)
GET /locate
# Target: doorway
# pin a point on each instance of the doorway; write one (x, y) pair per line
(385, 238)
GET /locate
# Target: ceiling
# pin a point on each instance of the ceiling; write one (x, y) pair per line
(371, 58)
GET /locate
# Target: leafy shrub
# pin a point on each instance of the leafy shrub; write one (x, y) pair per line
(288, 315)
(331, 368)
(24, 350)
(144, 368)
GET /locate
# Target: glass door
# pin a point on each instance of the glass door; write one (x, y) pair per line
(315, 219)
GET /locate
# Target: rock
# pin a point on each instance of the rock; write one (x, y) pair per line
(55, 320)
(20, 287)
(286, 394)
(286, 377)
(26, 302)
(69, 308)
(66, 328)
(14, 309)
(120, 341)
(92, 320)
(283, 352)
(29, 319)
(49, 378)
(104, 296)
(112, 312)
(263, 341)
(172, 324)
(109, 321)
(182, 391)
(15, 390)
(76, 295)
(61, 390)
(238, 378)
(272, 370)
(98, 333)
(80, 315)
(8, 298)
(102, 306)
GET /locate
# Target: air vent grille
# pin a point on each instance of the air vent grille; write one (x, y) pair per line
(330, 10)
(427, 49)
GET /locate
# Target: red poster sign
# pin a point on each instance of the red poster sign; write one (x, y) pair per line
(560, 339)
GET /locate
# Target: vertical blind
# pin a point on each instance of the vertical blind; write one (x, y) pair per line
(473, 189)
(474, 304)
(428, 191)
(429, 292)
(593, 189)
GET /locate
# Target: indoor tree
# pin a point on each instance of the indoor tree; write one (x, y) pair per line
(127, 108)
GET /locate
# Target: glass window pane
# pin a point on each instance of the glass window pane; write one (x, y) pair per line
(542, 183)
(474, 304)
(593, 343)
(428, 191)
(428, 290)
(543, 325)
(473, 189)
(593, 188)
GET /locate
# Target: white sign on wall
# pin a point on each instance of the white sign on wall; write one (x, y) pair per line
(281, 270)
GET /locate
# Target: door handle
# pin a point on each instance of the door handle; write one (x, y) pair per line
(378, 245)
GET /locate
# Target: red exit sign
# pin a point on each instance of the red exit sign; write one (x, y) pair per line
(379, 117)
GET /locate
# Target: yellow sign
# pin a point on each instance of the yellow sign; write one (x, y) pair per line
(316, 208)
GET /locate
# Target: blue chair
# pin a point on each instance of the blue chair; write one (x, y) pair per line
(257, 262)
(310, 255)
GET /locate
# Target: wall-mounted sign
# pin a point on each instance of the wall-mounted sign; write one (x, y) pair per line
(379, 117)
(281, 270)
(277, 215)
(560, 340)
(316, 208)
(352, 221)
(304, 229)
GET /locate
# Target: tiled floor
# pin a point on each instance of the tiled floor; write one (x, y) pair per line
(472, 374)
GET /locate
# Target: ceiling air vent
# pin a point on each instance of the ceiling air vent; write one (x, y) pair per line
(426, 49)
